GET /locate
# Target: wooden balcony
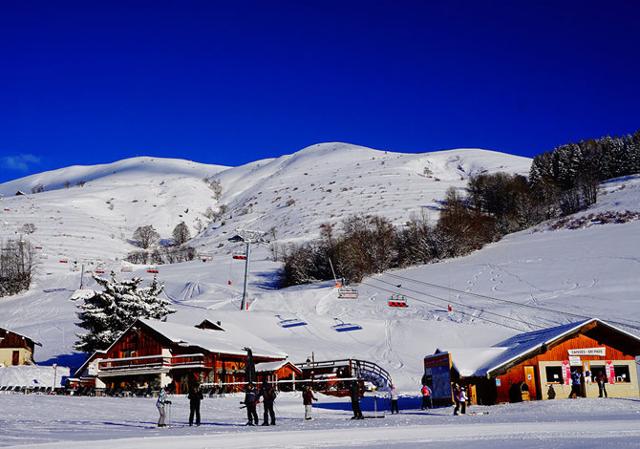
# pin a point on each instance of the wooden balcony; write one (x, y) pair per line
(150, 364)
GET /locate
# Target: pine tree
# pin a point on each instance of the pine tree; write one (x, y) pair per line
(106, 314)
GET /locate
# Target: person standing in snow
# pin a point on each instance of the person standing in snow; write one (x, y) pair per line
(307, 400)
(195, 396)
(456, 398)
(601, 379)
(393, 392)
(575, 385)
(161, 404)
(426, 397)
(251, 401)
(268, 395)
(462, 400)
(354, 392)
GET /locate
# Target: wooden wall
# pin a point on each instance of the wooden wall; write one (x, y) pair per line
(557, 352)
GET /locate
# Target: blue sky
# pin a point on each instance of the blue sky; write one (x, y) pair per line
(230, 82)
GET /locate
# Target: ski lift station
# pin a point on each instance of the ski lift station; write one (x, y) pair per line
(539, 365)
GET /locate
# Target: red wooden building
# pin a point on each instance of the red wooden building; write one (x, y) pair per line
(526, 366)
(153, 354)
(15, 348)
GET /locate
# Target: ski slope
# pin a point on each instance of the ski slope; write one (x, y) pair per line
(291, 195)
(532, 279)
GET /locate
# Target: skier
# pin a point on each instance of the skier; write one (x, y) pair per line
(393, 392)
(602, 389)
(160, 404)
(354, 392)
(426, 398)
(251, 400)
(307, 400)
(268, 394)
(195, 396)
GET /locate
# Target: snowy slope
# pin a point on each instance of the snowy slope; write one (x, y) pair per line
(531, 279)
(292, 194)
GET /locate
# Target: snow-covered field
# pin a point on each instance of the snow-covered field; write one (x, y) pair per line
(532, 279)
(106, 423)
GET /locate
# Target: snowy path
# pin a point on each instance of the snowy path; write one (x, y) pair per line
(58, 422)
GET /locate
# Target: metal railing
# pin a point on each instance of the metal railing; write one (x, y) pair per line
(152, 362)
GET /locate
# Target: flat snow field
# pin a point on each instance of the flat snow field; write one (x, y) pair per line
(119, 423)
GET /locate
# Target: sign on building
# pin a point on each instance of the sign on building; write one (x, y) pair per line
(437, 370)
(588, 351)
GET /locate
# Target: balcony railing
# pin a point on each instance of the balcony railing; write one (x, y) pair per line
(150, 364)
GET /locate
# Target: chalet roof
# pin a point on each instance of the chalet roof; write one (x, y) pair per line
(230, 340)
(35, 342)
(268, 367)
(481, 362)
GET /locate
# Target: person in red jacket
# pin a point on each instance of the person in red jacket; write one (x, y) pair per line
(307, 400)
(426, 398)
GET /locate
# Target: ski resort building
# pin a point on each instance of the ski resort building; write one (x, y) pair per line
(151, 354)
(528, 366)
(16, 349)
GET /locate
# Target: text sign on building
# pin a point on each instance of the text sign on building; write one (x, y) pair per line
(574, 360)
(588, 351)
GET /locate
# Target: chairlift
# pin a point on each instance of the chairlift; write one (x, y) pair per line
(205, 258)
(98, 271)
(64, 261)
(291, 322)
(239, 256)
(347, 293)
(397, 300)
(345, 327)
(152, 270)
(38, 247)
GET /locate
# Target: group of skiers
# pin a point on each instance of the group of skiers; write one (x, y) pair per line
(267, 395)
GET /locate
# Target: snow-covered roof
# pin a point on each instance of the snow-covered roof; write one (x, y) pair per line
(480, 362)
(232, 340)
(268, 367)
(468, 361)
(21, 335)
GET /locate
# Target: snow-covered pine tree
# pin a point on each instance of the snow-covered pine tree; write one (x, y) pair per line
(106, 314)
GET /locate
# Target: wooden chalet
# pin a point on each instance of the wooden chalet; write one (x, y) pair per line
(16, 349)
(525, 366)
(151, 354)
(283, 373)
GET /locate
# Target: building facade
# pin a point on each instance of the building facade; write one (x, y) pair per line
(542, 365)
(16, 349)
(152, 354)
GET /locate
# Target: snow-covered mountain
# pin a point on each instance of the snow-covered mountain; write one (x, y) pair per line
(90, 213)
(530, 279)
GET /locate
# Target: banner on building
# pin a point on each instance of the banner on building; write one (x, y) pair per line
(611, 373)
(566, 372)
(437, 374)
(588, 351)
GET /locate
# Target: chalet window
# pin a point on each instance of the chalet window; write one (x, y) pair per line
(554, 374)
(622, 373)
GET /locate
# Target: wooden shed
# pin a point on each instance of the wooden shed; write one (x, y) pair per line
(526, 365)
